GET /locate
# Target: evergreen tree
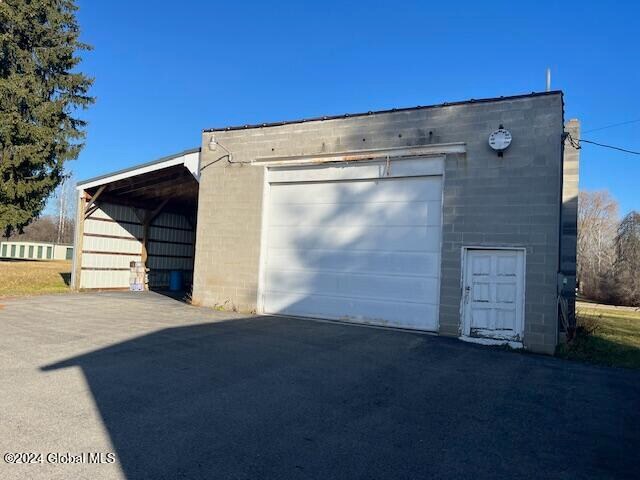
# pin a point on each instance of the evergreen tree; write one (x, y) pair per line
(40, 94)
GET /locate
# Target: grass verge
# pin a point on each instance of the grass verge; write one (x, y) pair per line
(613, 341)
(19, 277)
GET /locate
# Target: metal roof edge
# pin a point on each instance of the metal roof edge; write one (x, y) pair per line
(136, 167)
(392, 110)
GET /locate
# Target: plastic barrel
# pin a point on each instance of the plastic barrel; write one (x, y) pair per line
(175, 280)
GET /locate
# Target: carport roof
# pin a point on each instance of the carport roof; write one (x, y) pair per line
(147, 167)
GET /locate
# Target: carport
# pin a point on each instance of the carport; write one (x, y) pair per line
(146, 213)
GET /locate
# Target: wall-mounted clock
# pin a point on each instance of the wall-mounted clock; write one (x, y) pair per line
(500, 140)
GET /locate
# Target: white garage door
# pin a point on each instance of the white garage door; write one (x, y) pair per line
(354, 248)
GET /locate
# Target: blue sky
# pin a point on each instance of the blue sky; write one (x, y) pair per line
(166, 70)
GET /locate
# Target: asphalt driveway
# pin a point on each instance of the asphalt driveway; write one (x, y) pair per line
(172, 391)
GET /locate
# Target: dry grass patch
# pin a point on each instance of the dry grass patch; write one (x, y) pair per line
(33, 277)
(610, 336)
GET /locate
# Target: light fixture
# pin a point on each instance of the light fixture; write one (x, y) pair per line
(213, 144)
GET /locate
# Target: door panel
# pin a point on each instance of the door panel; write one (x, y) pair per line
(364, 251)
(493, 299)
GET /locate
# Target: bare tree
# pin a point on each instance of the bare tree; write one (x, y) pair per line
(65, 210)
(597, 226)
(627, 265)
(43, 229)
(58, 226)
(61, 210)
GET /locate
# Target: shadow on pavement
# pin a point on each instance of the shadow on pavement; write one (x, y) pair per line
(269, 397)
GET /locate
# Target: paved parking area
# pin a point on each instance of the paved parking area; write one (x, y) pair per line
(181, 392)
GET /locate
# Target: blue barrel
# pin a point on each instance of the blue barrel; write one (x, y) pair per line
(175, 280)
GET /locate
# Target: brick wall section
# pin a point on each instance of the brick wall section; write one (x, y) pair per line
(488, 201)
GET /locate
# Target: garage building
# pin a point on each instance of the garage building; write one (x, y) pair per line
(415, 218)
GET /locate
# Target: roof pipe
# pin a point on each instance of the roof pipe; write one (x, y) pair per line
(548, 79)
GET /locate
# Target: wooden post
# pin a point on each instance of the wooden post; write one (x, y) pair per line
(93, 201)
(146, 220)
(79, 234)
(145, 239)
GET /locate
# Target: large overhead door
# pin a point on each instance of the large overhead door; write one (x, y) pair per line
(355, 243)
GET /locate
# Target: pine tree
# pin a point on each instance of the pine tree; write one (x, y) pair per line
(40, 96)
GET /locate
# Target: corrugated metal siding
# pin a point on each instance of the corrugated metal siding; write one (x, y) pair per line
(113, 238)
(171, 247)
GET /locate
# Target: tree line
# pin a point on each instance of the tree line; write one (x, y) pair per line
(56, 226)
(608, 252)
(42, 93)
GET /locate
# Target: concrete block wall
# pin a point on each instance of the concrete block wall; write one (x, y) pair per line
(570, 173)
(569, 222)
(488, 200)
(228, 233)
(513, 201)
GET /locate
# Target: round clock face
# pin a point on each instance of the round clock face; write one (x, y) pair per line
(500, 139)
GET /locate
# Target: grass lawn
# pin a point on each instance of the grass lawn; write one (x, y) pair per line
(615, 341)
(19, 277)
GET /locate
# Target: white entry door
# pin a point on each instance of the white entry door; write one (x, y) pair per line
(359, 249)
(493, 294)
